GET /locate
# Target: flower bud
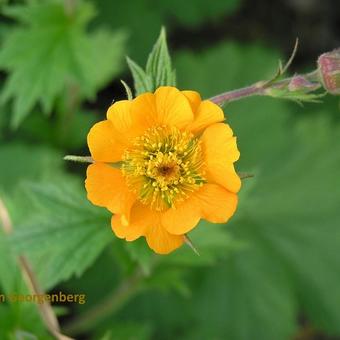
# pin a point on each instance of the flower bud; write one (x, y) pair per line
(329, 71)
(300, 83)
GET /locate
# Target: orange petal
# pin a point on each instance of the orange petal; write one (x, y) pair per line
(103, 144)
(194, 99)
(173, 107)
(183, 218)
(106, 187)
(144, 110)
(231, 180)
(167, 106)
(220, 151)
(160, 241)
(206, 114)
(126, 125)
(118, 227)
(216, 203)
(119, 114)
(140, 219)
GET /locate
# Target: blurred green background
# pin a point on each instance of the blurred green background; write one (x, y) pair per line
(272, 273)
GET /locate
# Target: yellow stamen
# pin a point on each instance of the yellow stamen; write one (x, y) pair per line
(163, 166)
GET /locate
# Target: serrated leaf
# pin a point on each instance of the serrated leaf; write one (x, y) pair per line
(89, 49)
(21, 162)
(254, 286)
(14, 316)
(212, 246)
(158, 71)
(301, 224)
(142, 254)
(64, 233)
(44, 63)
(10, 276)
(158, 66)
(127, 331)
(72, 135)
(288, 218)
(142, 81)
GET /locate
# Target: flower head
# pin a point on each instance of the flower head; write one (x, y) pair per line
(329, 70)
(302, 84)
(163, 161)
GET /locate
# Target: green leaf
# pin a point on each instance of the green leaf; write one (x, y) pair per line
(297, 96)
(64, 233)
(26, 162)
(141, 254)
(212, 246)
(287, 219)
(103, 46)
(158, 71)
(245, 292)
(68, 132)
(158, 66)
(127, 331)
(15, 317)
(142, 81)
(60, 56)
(301, 224)
(10, 275)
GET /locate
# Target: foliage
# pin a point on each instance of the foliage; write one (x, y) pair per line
(16, 318)
(64, 60)
(274, 263)
(279, 218)
(18, 165)
(158, 70)
(65, 234)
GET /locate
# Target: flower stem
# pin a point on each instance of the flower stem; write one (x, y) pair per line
(45, 309)
(257, 89)
(237, 94)
(80, 159)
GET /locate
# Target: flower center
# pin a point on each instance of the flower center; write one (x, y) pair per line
(163, 167)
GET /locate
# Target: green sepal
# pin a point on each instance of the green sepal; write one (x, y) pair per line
(141, 80)
(158, 71)
(296, 96)
(127, 90)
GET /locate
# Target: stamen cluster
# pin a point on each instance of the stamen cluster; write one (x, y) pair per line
(163, 167)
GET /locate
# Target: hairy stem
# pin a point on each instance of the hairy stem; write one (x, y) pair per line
(257, 89)
(80, 159)
(237, 94)
(45, 309)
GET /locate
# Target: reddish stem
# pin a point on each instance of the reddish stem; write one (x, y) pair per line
(258, 89)
(237, 94)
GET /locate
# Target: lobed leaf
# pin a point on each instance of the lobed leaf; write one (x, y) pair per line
(287, 219)
(64, 234)
(44, 63)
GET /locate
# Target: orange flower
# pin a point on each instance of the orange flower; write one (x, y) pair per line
(174, 165)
